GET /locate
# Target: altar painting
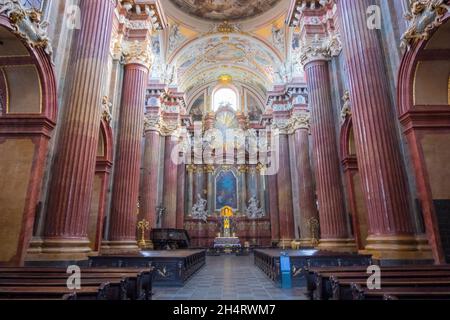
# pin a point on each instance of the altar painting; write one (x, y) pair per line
(226, 190)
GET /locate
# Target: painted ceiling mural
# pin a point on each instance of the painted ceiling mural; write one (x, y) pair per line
(246, 59)
(221, 10)
(210, 38)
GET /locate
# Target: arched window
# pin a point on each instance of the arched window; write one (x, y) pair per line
(225, 97)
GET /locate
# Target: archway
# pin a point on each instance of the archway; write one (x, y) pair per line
(424, 110)
(27, 117)
(101, 181)
(353, 184)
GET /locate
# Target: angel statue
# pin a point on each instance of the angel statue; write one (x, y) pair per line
(253, 210)
(199, 209)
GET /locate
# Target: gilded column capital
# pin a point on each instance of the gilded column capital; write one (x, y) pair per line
(209, 168)
(138, 52)
(152, 123)
(318, 49)
(281, 126)
(191, 168)
(300, 120)
(243, 168)
(168, 128)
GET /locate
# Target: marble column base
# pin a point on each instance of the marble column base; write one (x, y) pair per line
(119, 247)
(398, 247)
(35, 245)
(61, 250)
(337, 245)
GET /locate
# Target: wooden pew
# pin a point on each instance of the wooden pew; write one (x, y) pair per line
(321, 287)
(45, 293)
(137, 282)
(342, 289)
(117, 289)
(400, 293)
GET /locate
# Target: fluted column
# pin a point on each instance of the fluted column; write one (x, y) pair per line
(151, 168)
(210, 188)
(74, 167)
(170, 182)
(308, 209)
(333, 224)
(285, 207)
(190, 188)
(242, 189)
(391, 231)
(128, 159)
(181, 192)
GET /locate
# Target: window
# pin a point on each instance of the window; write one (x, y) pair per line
(225, 97)
(36, 4)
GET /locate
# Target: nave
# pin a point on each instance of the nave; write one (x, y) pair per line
(229, 277)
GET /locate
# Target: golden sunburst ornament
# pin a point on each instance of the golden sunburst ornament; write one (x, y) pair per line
(225, 79)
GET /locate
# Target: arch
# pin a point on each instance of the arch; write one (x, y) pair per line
(353, 186)
(25, 132)
(100, 189)
(426, 125)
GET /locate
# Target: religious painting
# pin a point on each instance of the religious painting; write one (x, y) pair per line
(197, 108)
(254, 112)
(226, 190)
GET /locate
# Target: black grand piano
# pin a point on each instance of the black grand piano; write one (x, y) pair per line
(170, 239)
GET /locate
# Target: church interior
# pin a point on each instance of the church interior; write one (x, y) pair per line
(225, 150)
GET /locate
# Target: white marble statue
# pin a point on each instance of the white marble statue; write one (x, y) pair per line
(253, 210)
(199, 209)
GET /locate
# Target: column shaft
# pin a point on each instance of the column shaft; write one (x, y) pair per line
(333, 225)
(285, 208)
(308, 209)
(170, 184)
(128, 159)
(74, 167)
(378, 149)
(151, 169)
(181, 192)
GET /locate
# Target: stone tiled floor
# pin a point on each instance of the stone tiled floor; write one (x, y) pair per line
(229, 278)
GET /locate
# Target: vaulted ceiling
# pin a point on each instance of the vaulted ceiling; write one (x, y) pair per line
(245, 39)
(220, 10)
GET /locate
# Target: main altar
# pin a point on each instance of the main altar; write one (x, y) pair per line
(226, 239)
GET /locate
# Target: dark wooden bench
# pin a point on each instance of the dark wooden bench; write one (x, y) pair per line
(400, 293)
(335, 283)
(45, 293)
(133, 284)
(342, 289)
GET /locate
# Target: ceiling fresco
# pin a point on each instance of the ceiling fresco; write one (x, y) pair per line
(221, 10)
(245, 58)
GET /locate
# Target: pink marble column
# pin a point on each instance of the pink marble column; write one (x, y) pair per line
(170, 183)
(123, 219)
(181, 192)
(284, 183)
(150, 176)
(333, 224)
(74, 165)
(308, 209)
(377, 143)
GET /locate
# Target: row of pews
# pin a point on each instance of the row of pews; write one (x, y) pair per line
(422, 282)
(95, 284)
